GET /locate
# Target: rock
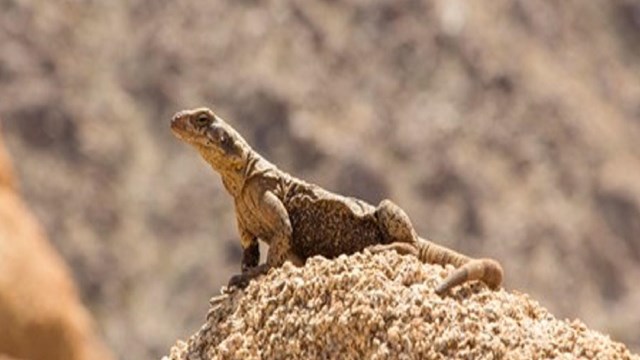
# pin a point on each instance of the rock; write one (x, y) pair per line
(383, 306)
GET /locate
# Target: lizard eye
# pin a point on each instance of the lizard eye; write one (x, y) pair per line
(202, 120)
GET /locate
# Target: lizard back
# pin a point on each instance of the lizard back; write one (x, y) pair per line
(328, 224)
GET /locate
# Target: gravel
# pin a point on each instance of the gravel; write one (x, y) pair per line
(383, 306)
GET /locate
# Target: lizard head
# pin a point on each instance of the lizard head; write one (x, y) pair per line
(217, 142)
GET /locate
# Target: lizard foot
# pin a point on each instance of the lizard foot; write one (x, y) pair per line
(399, 247)
(239, 280)
(242, 280)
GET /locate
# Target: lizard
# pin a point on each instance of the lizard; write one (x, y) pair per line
(299, 220)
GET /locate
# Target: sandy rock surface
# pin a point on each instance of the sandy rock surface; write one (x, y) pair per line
(383, 306)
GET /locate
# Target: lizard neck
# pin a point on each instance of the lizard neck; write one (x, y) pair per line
(235, 178)
(233, 181)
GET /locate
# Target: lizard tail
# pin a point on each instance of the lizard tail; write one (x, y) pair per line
(433, 253)
(486, 270)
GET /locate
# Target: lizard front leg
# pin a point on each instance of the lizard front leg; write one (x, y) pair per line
(250, 256)
(250, 248)
(273, 216)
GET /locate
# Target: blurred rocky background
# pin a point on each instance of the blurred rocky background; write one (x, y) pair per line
(505, 128)
(41, 315)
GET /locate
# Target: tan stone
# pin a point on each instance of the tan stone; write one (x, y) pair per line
(383, 306)
(41, 316)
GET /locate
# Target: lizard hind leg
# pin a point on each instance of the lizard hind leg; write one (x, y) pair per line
(395, 223)
(399, 247)
(397, 230)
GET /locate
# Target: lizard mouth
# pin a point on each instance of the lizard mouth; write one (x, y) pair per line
(182, 130)
(178, 126)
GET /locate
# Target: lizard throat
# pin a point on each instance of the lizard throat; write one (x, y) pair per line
(235, 178)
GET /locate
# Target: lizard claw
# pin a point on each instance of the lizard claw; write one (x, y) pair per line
(240, 281)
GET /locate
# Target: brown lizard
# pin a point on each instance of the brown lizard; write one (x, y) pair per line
(299, 220)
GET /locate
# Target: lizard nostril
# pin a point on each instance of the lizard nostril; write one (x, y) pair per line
(176, 117)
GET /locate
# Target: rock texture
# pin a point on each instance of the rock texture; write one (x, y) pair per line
(383, 306)
(41, 316)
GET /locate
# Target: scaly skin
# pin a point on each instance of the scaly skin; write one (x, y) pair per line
(299, 220)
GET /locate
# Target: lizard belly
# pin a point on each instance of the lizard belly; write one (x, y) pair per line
(330, 227)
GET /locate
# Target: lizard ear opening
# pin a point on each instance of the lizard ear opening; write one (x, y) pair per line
(222, 139)
(227, 144)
